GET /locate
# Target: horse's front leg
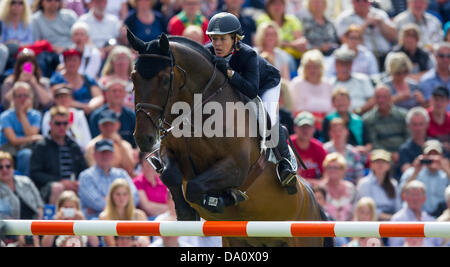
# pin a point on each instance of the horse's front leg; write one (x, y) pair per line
(219, 182)
(172, 178)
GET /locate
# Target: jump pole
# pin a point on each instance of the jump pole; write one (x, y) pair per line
(225, 228)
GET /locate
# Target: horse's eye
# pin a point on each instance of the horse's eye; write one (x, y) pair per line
(165, 81)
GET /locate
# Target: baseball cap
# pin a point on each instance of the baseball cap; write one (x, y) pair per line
(431, 145)
(304, 118)
(344, 53)
(382, 154)
(441, 91)
(107, 115)
(62, 90)
(72, 52)
(104, 145)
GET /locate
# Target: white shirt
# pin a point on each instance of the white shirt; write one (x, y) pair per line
(91, 61)
(358, 86)
(364, 62)
(101, 31)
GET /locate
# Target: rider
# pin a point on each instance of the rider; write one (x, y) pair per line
(253, 76)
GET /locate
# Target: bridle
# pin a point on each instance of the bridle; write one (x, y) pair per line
(164, 128)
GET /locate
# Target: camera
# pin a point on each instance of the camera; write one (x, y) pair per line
(426, 161)
(68, 212)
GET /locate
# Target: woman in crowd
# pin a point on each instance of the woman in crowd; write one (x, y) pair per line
(91, 60)
(68, 207)
(293, 40)
(318, 30)
(309, 90)
(268, 41)
(120, 206)
(26, 69)
(16, 18)
(340, 193)
(380, 186)
(152, 192)
(338, 133)
(119, 65)
(20, 126)
(365, 210)
(144, 22)
(405, 92)
(19, 197)
(364, 61)
(86, 93)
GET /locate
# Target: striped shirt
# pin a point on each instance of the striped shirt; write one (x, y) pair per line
(94, 186)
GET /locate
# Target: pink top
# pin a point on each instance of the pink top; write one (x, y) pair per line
(156, 193)
(310, 97)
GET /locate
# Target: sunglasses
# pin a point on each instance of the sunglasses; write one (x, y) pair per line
(59, 123)
(362, 1)
(17, 3)
(440, 55)
(7, 167)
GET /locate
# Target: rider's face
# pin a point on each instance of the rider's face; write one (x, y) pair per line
(223, 44)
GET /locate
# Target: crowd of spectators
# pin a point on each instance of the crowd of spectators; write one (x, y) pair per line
(365, 95)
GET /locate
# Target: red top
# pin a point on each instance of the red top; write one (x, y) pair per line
(176, 26)
(312, 157)
(437, 131)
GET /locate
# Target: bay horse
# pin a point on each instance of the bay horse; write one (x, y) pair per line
(173, 69)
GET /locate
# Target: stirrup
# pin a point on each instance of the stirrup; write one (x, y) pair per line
(291, 176)
(238, 196)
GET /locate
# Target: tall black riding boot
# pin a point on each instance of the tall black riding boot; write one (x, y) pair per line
(286, 168)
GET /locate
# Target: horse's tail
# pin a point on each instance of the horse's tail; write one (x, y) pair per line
(327, 241)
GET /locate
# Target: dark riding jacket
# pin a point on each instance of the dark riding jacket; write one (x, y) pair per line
(253, 75)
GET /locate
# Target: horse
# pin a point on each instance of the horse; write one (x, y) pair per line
(172, 70)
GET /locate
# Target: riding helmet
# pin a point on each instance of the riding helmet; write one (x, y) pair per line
(224, 23)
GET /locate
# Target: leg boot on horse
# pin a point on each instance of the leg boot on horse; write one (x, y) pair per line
(286, 168)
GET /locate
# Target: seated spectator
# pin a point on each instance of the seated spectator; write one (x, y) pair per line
(364, 61)
(91, 61)
(340, 193)
(19, 199)
(68, 207)
(120, 206)
(379, 31)
(56, 160)
(267, 42)
(405, 92)
(440, 117)
(317, 29)
(440, 74)
(291, 27)
(76, 5)
(310, 149)
(94, 182)
(365, 210)
(439, 8)
(409, 44)
(16, 18)
(430, 26)
(4, 55)
(152, 192)
(414, 196)
(285, 106)
(52, 22)
(102, 26)
(247, 22)
(147, 24)
(26, 69)
(380, 186)
(20, 126)
(78, 125)
(115, 97)
(195, 33)
(338, 133)
(358, 85)
(418, 121)
(86, 93)
(109, 125)
(119, 65)
(357, 132)
(445, 216)
(386, 123)
(190, 14)
(310, 91)
(432, 169)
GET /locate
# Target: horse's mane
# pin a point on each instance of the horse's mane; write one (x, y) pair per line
(193, 45)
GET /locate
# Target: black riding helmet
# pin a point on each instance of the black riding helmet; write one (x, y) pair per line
(224, 23)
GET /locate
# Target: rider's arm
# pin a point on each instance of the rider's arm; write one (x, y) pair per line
(246, 79)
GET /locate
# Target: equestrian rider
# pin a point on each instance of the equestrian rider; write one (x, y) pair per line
(253, 76)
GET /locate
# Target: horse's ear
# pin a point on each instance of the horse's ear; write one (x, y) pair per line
(135, 42)
(164, 44)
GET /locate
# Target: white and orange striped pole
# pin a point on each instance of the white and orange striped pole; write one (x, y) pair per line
(227, 228)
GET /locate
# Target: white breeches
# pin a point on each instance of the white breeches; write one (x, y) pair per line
(270, 99)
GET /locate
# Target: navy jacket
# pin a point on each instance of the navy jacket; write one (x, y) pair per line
(253, 75)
